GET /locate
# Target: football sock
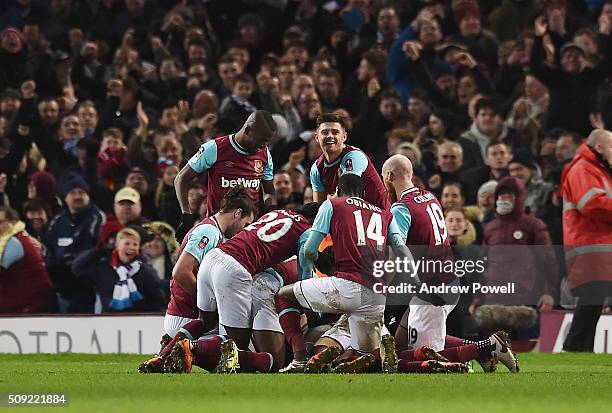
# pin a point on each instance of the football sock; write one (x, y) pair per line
(252, 362)
(192, 330)
(206, 352)
(290, 322)
(461, 354)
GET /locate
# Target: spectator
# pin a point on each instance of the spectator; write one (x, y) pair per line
(462, 242)
(71, 232)
(531, 265)
(538, 193)
(37, 215)
(587, 235)
(479, 44)
(112, 165)
(235, 109)
(161, 252)
(449, 163)
(166, 202)
(453, 197)
(121, 278)
(284, 190)
(42, 187)
(498, 155)
(139, 180)
(487, 127)
(25, 286)
(128, 208)
(572, 86)
(486, 201)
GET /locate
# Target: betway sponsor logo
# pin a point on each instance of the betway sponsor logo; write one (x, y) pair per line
(247, 183)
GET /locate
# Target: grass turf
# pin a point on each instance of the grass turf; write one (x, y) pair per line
(110, 383)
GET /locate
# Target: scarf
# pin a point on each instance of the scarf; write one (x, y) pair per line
(125, 293)
(475, 135)
(246, 105)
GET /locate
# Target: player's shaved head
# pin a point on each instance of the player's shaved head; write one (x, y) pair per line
(262, 121)
(400, 166)
(257, 131)
(397, 175)
(350, 185)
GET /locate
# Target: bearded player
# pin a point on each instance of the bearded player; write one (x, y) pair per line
(181, 320)
(360, 232)
(338, 159)
(225, 276)
(239, 159)
(423, 328)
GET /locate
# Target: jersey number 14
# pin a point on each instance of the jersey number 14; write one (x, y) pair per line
(373, 232)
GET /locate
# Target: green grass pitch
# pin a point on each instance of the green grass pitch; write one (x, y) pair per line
(110, 383)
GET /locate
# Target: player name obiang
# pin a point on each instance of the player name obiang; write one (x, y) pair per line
(362, 204)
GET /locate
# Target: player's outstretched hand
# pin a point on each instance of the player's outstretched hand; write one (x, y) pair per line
(187, 221)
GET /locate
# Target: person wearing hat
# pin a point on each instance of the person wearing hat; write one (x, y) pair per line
(486, 201)
(572, 86)
(538, 193)
(480, 45)
(13, 57)
(527, 259)
(127, 207)
(138, 179)
(71, 232)
(10, 102)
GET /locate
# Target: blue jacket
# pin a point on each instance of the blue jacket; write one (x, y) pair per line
(69, 235)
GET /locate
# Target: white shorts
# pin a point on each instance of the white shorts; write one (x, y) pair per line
(341, 333)
(224, 285)
(426, 324)
(265, 287)
(173, 323)
(363, 307)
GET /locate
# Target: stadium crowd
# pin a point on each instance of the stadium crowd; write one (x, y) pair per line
(104, 101)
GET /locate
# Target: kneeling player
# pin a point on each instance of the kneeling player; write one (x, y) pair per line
(181, 320)
(359, 232)
(421, 221)
(225, 276)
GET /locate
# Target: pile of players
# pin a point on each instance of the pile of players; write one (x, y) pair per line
(245, 292)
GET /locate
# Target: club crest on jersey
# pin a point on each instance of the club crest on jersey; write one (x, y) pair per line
(348, 165)
(518, 234)
(203, 242)
(258, 166)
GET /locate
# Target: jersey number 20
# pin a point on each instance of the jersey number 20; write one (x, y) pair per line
(269, 221)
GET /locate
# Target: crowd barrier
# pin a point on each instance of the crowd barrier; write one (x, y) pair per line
(140, 334)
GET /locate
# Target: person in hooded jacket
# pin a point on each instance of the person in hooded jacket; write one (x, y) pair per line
(519, 251)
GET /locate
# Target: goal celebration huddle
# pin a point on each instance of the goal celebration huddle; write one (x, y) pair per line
(258, 288)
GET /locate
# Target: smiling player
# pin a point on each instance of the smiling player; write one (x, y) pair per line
(338, 159)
